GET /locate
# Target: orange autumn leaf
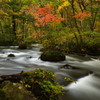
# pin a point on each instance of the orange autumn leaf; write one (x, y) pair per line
(83, 15)
(45, 16)
(37, 35)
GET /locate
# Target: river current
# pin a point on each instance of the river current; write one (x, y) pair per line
(85, 87)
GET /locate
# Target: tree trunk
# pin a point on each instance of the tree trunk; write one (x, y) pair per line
(14, 25)
(72, 4)
(1, 27)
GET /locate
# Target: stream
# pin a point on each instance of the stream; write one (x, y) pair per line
(85, 87)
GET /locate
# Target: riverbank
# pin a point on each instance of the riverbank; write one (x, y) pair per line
(39, 83)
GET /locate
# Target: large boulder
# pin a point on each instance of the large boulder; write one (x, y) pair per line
(11, 55)
(53, 56)
(22, 46)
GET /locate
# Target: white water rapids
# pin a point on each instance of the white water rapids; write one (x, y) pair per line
(85, 88)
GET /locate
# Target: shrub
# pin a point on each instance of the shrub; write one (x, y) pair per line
(42, 84)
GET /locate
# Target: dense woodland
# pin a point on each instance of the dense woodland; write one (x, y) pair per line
(66, 25)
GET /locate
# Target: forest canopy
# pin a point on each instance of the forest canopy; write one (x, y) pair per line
(66, 25)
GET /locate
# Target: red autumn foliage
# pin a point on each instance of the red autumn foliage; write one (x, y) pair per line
(44, 11)
(37, 35)
(45, 16)
(83, 15)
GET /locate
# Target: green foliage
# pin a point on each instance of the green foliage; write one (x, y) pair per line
(7, 39)
(22, 39)
(51, 90)
(52, 52)
(42, 84)
(39, 74)
(69, 79)
(55, 40)
(90, 45)
(17, 21)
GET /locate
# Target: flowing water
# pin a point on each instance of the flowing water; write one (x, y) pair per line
(86, 87)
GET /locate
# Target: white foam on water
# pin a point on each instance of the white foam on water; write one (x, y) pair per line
(86, 88)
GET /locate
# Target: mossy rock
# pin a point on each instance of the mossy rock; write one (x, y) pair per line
(67, 66)
(22, 46)
(42, 84)
(11, 55)
(2, 95)
(30, 86)
(53, 56)
(16, 91)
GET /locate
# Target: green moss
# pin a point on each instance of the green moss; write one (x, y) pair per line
(2, 95)
(39, 82)
(16, 91)
(42, 84)
(52, 55)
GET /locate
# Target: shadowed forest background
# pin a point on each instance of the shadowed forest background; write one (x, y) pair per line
(62, 25)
